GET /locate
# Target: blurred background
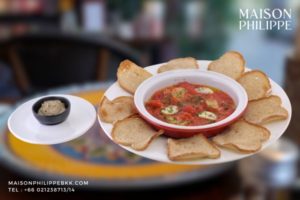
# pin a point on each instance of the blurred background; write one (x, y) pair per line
(74, 46)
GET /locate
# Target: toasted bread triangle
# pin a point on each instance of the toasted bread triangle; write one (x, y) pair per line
(130, 75)
(231, 64)
(134, 132)
(117, 109)
(196, 147)
(243, 137)
(265, 110)
(256, 84)
(179, 63)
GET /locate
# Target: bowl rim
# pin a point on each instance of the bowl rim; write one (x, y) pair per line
(241, 93)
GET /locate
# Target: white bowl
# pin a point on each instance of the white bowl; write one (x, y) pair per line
(216, 80)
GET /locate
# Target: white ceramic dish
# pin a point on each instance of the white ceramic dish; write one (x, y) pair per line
(157, 150)
(26, 127)
(216, 80)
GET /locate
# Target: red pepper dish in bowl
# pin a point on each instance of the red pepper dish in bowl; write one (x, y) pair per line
(184, 103)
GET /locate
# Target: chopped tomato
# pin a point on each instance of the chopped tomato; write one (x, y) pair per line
(189, 109)
(155, 104)
(157, 96)
(185, 116)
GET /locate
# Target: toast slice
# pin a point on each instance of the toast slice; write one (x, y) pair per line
(179, 63)
(134, 132)
(265, 110)
(231, 64)
(243, 137)
(117, 109)
(130, 75)
(195, 147)
(256, 84)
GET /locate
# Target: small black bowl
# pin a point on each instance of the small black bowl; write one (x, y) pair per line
(55, 119)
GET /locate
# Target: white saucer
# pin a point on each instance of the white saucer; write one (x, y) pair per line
(26, 127)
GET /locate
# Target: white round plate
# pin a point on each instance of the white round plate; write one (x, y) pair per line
(26, 127)
(157, 150)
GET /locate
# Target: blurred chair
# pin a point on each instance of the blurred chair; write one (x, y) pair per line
(46, 60)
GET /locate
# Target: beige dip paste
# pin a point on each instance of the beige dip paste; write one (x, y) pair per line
(51, 107)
